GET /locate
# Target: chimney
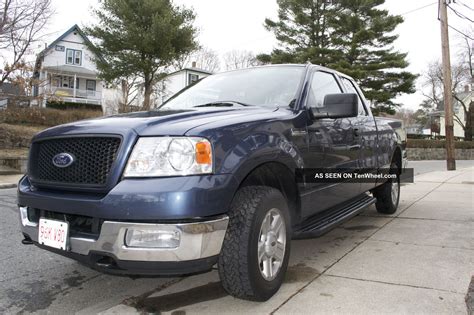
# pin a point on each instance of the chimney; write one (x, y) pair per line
(193, 65)
(467, 88)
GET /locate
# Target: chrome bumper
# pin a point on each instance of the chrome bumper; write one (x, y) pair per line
(198, 240)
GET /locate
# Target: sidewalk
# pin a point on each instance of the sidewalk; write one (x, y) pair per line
(9, 181)
(420, 260)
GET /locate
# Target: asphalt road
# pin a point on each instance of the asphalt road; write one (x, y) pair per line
(34, 280)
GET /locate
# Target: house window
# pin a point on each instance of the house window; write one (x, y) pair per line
(90, 87)
(77, 57)
(69, 56)
(59, 48)
(192, 78)
(73, 57)
(71, 83)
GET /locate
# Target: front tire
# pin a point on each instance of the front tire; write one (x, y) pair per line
(388, 194)
(256, 248)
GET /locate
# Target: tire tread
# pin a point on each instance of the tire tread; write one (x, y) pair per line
(233, 260)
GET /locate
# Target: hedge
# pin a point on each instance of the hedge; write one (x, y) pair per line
(440, 144)
(48, 117)
(72, 106)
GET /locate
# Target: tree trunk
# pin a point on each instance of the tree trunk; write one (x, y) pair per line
(469, 117)
(147, 99)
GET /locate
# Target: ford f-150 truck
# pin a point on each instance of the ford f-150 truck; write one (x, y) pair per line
(211, 177)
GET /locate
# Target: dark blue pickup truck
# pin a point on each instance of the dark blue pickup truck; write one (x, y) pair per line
(211, 177)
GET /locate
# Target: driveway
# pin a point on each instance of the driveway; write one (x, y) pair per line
(419, 261)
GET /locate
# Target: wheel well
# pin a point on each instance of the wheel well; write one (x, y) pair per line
(397, 158)
(280, 177)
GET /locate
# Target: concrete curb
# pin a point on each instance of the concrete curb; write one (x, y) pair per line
(6, 186)
(9, 181)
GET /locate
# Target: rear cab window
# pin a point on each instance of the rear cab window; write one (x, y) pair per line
(350, 87)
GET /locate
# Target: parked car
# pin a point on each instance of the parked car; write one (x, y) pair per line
(210, 177)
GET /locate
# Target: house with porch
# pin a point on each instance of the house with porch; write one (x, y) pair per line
(65, 70)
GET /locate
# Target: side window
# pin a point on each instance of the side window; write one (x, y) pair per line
(192, 78)
(73, 57)
(69, 56)
(323, 83)
(77, 57)
(350, 88)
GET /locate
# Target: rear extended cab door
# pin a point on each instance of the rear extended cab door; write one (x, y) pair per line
(332, 144)
(366, 130)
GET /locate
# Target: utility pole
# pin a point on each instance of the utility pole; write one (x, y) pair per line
(448, 97)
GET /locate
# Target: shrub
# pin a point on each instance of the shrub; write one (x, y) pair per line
(440, 144)
(72, 106)
(15, 136)
(47, 117)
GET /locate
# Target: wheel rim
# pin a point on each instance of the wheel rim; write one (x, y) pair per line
(395, 190)
(271, 244)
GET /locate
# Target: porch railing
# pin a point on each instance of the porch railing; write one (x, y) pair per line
(69, 92)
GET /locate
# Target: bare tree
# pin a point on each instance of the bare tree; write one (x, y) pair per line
(205, 59)
(467, 50)
(24, 81)
(21, 25)
(467, 54)
(406, 115)
(433, 83)
(240, 59)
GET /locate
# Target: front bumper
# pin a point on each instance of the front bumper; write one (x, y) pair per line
(200, 243)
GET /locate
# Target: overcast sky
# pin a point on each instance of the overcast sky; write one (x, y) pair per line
(238, 24)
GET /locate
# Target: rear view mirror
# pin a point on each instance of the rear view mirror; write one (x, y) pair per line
(338, 106)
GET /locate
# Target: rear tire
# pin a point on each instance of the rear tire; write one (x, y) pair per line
(388, 194)
(256, 248)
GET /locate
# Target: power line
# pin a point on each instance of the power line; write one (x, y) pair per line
(462, 16)
(417, 9)
(464, 5)
(465, 35)
(453, 28)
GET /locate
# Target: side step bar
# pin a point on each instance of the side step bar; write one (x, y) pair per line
(322, 222)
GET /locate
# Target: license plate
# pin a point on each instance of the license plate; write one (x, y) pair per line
(53, 233)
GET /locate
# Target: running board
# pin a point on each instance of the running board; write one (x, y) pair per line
(322, 222)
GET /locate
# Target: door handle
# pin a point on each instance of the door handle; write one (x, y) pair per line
(314, 129)
(356, 132)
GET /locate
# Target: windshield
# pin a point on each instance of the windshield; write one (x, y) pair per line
(262, 86)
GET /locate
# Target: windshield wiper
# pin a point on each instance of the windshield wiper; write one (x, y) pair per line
(222, 104)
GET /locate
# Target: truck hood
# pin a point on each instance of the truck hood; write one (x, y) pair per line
(160, 123)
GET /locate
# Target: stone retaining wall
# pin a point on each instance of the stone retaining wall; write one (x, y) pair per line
(17, 163)
(438, 154)
(13, 140)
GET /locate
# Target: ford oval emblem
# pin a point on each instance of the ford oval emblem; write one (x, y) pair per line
(63, 159)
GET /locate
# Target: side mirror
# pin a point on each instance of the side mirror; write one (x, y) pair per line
(338, 106)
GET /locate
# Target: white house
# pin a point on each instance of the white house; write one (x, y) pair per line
(178, 80)
(437, 118)
(65, 70)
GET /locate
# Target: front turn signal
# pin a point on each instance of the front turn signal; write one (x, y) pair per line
(203, 152)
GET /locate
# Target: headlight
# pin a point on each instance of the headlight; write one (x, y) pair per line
(169, 156)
